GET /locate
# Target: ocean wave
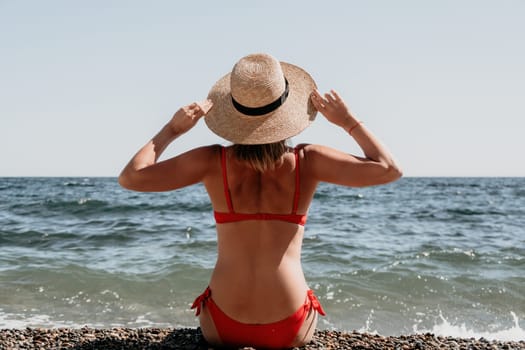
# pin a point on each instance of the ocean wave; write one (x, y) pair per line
(452, 183)
(83, 183)
(519, 192)
(35, 238)
(461, 329)
(473, 212)
(91, 207)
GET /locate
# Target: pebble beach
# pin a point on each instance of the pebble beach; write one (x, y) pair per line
(191, 339)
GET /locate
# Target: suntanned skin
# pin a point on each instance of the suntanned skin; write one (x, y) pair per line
(258, 276)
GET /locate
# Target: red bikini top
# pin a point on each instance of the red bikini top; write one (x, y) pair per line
(232, 216)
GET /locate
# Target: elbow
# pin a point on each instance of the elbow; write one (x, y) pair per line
(124, 181)
(398, 173)
(129, 182)
(389, 172)
(384, 173)
(392, 172)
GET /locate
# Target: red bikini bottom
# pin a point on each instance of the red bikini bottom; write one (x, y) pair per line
(280, 334)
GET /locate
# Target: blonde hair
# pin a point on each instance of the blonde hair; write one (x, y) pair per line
(261, 157)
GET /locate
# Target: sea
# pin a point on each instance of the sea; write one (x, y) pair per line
(433, 254)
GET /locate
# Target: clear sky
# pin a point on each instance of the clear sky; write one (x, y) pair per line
(84, 84)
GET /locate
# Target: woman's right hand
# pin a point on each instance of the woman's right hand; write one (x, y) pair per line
(332, 106)
(186, 117)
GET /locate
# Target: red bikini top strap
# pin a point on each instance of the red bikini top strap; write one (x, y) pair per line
(225, 180)
(297, 183)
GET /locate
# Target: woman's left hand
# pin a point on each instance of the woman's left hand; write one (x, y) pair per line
(334, 108)
(186, 117)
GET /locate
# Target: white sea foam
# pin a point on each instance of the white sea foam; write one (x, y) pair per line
(39, 320)
(15, 321)
(448, 329)
(445, 328)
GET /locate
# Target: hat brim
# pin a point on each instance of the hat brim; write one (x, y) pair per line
(292, 117)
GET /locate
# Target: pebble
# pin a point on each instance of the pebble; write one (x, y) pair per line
(191, 339)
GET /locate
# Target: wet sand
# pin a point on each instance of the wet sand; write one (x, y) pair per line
(191, 338)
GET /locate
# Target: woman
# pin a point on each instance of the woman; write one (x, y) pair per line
(260, 190)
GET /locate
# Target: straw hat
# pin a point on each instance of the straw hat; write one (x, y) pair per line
(261, 101)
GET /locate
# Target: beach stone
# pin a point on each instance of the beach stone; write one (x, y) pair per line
(191, 339)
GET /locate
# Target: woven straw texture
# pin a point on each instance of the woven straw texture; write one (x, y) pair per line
(255, 81)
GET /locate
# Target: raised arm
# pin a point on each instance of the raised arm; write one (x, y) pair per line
(145, 173)
(329, 165)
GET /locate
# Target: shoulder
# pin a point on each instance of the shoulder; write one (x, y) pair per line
(323, 163)
(203, 153)
(310, 151)
(203, 159)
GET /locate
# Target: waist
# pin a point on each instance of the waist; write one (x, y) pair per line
(279, 272)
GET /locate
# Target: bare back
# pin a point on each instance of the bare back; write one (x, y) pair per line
(259, 260)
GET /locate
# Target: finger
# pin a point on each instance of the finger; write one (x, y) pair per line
(193, 110)
(316, 100)
(320, 97)
(316, 94)
(336, 95)
(329, 98)
(205, 105)
(187, 112)
(194, 107)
